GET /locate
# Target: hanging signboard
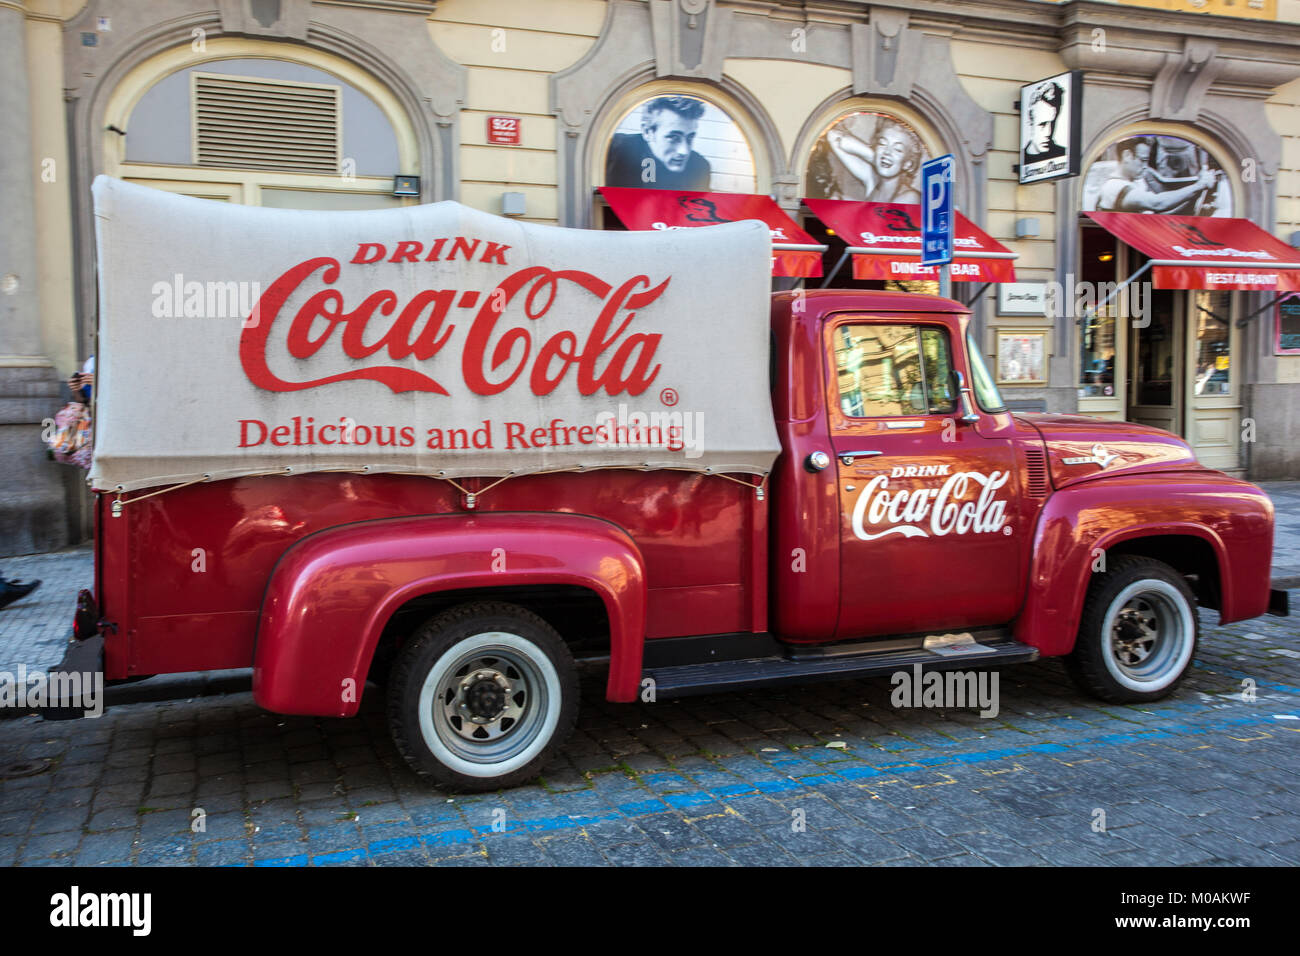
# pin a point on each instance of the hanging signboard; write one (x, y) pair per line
(1051, 127)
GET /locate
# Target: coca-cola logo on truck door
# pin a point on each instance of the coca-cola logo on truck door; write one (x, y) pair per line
(935, 511)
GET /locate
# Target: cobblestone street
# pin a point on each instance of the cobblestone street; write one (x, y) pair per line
(826, 774)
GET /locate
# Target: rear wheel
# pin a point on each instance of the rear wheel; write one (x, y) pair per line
(481, 696)
(1137, 633)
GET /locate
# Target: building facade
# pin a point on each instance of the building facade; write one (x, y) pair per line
(532, 107)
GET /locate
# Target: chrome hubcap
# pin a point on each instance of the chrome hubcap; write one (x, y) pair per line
(483, 699)
(489, 704)
(1137, 627)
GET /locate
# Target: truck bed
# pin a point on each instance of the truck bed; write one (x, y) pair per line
(182, 574)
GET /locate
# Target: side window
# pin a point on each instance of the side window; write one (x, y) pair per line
(986, 390)
(893, 370)
(938, 371)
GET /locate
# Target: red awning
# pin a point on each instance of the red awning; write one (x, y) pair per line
(885, 239)
(794, 252)
(1206, 252)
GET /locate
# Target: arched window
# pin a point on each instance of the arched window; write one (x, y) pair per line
(867, 155)
(1167, 355)
(1155, 173)
(864, 152)
(679, 141)
(262, 131)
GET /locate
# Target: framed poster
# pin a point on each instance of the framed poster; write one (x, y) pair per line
(1286, 339)
(1051, 127)
(1022, 355)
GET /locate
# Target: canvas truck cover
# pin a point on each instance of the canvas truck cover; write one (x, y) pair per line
(432, 340)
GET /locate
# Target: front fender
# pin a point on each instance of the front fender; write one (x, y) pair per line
(332, 593)
(1233, 516)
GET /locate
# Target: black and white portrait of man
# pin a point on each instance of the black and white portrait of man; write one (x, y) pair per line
(1048, 124)
(1045, 107)
(679, 142)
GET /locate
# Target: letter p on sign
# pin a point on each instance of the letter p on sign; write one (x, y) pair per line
(934, 196)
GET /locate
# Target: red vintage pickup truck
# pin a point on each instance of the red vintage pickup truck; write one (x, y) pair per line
(835, 492)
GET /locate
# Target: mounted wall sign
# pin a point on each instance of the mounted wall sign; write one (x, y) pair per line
(1022, 298)
(504, 130)
(1051, 127)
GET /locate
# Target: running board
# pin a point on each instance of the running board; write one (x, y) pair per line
(719, 676)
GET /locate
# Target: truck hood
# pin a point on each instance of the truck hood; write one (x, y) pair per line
(1081, 448)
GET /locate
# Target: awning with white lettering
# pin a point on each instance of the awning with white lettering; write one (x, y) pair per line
(1206, 252)
(885, 241)
(794, 253)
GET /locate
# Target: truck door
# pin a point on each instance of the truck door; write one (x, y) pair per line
(927, 502)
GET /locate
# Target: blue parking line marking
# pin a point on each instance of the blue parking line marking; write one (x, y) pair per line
(823, 776)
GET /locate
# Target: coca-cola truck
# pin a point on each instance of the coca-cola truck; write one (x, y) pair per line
(456, 455)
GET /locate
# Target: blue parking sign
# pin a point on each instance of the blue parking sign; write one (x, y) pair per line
(936, 210)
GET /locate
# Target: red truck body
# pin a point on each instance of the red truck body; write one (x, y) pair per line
(305, 572)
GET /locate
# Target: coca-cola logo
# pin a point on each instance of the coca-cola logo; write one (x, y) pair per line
(497, 347)
(963, 504)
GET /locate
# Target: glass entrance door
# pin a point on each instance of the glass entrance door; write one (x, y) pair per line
(1156, 361)
(1213, 393)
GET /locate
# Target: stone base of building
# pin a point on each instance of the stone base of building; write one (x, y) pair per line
(1275, 453)
(40, 499)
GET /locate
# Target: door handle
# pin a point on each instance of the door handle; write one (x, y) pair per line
(848, 456)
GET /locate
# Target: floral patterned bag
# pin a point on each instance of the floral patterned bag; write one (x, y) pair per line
(70, 442)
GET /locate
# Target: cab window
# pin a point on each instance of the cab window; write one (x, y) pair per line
(986, 390)
(893, 370)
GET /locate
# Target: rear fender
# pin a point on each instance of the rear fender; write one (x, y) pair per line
(332, 593)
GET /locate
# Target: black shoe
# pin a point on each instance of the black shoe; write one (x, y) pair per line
(11, 591)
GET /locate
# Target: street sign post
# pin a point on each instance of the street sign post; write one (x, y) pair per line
(937, 217)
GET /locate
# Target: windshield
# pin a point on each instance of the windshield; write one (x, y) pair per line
(986, 393)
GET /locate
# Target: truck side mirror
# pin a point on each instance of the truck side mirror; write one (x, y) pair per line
(967, 406)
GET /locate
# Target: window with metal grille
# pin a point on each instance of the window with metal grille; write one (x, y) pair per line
(246, 123)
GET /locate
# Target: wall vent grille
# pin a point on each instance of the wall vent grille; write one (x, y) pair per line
(246, 123)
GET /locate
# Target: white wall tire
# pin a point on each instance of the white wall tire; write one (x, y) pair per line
(1137, 633)
(482, 696)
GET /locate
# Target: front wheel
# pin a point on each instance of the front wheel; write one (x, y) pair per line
(1137, 633)
(481, 696)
